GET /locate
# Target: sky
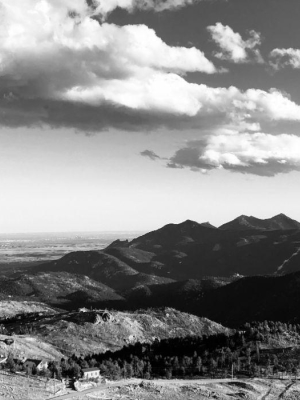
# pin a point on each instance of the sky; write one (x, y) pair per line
(119, 115)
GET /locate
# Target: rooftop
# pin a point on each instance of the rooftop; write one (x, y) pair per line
(90, 369)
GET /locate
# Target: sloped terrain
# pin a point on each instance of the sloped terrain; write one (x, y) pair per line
(11, 308)
(105, 268)
(180, 295)
(247, 246)
(29, 346)
(20, 387)
(57, 288)
(253, 299)
(93, 332)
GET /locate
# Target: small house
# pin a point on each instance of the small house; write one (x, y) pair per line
(89, 373)
(39, 364)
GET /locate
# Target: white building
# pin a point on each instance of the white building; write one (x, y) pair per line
(89, 373)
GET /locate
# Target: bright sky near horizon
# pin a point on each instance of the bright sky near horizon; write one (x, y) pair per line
(130, 114)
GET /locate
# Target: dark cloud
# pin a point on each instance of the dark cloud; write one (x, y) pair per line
(16, 113)
(150, 154)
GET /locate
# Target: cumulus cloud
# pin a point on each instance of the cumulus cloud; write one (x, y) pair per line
(53, 51)
(259, 153)
(285, 58)
(104, 7)
(233, 47)
(59, 66)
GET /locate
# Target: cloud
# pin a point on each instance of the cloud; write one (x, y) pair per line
(150, 154)
(105, 7)
(233, 47)
(61, 67)
(285, 58)
(259, 154)
(55, 52)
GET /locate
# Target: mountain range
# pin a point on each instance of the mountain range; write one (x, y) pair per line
(226, 274)
(279, 222)
(190, 250)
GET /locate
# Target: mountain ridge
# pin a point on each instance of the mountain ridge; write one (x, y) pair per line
(277, 222)
(189, 250)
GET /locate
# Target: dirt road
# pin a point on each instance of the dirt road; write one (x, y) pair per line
(174, 383)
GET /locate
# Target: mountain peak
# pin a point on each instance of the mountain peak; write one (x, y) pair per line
(207, 224)
(189, 222)
(281, 215)
(278, 222)
(242, 218)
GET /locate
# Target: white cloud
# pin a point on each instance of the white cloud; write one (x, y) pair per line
(285, 57)
(233, 47)
(104, 7)
(49, 48)
(61, 67)
(258, 153)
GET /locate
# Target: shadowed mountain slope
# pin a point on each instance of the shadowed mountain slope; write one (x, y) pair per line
(180, 295)
(256, 298)
(192, 251)
(104, 268)
(58, 288)
(189, 251)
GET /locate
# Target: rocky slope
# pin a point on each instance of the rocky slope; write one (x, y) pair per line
(93, 331)
(12, 308)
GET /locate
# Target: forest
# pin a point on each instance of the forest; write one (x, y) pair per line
(258, 349)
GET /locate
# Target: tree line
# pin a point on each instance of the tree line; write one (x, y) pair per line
(254, 350)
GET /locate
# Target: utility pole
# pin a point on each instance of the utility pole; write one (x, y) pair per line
(232, 371)
(54, 382)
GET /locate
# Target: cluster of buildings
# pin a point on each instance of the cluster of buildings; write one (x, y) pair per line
(27, 362)
(40, 365)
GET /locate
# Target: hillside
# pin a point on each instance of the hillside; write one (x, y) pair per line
(61, 289)
(11, 308)
(105, 268)
(180, 295)
(98, 331)
(30, 346)
(253, 299)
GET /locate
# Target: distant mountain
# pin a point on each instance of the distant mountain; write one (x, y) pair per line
(58, 288)
(104, 268)
(190, 250)
(278, 222)
(208, 225)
